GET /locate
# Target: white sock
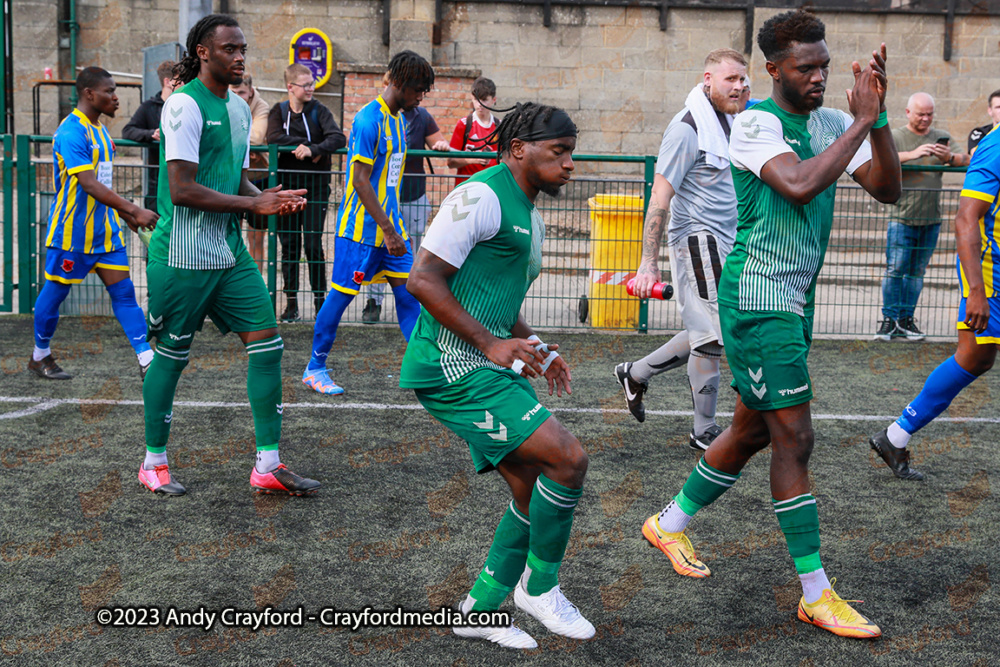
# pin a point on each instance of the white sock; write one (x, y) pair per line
(153, 460)
(670, 355)
(40, 354)
(897, 436)
(813, 585)
(703, 372)
(145, 357)
(267, 460)
(672, 518)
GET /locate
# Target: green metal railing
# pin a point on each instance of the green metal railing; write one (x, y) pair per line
(7, 249)
(848, 292)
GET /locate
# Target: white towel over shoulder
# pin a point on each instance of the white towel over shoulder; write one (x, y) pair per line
(711, 137)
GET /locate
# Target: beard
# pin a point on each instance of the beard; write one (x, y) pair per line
(723, 103)
(550, 190)
(800, 101)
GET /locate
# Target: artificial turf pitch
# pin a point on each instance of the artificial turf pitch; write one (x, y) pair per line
(403, 520)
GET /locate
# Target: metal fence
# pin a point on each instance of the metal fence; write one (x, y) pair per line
(592, 247)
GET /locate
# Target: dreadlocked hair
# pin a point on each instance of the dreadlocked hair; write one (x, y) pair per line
(410, 70)
(189, 66)
(520, 120)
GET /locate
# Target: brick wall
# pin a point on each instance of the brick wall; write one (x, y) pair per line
(612, 68)
(447, 102)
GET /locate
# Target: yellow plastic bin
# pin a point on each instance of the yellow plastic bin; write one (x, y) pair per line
(615, 251)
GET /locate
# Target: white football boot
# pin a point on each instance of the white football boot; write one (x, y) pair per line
(510, 636)
(553, 610)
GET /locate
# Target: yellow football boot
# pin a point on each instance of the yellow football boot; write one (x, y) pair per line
(677, 547)
(833, 614)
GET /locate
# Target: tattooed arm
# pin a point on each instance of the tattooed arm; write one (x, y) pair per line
(652, 233)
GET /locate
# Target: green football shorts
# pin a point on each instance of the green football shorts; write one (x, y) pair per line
(767, 352)
(494, 411)
(179, 299)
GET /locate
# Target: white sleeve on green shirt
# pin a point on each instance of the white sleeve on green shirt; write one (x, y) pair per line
(469, 215)
(864, 152)
(756, 138)
(180, 128)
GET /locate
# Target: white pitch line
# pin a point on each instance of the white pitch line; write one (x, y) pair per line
(43, 404)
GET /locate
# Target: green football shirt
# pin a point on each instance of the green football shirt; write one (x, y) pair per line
(489, 229)
(779, 246)
(214, 133)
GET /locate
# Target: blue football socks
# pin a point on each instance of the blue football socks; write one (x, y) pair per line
(942, 386)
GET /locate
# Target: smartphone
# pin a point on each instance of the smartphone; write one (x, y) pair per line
(943, 141)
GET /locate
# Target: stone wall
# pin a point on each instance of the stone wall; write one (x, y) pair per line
(612, 68)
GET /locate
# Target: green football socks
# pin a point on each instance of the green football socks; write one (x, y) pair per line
(799, 521)
(505, 562)
(158, 394)
(703, 487)
(264, 390)
(551, 510)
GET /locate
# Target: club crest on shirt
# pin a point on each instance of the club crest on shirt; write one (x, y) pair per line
(359, 277)
(67, 265)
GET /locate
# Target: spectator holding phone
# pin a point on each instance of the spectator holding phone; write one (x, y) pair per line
(916, 218)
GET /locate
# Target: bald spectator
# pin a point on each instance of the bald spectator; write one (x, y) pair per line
(145, 126)
(993, 110)
(916, 217)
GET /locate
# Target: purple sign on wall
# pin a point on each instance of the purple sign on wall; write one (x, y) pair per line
(310, 47)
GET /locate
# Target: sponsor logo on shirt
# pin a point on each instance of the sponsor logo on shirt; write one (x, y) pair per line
(213, 122)
(792, 141)
(521, 230)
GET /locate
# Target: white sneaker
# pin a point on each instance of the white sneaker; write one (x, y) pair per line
(553, 610)
(510, 636)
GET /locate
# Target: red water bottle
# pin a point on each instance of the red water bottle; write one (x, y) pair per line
(661, 291)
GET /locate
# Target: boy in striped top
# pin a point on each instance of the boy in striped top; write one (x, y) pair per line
(198, 264)
(787, 154)
(85, 233)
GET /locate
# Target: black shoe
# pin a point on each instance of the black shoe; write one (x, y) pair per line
(887, 330)
(291, 312)
(907, 327)
(48, 368)
(705, 440)
(898, 459)
(371, 312)
(634, 391)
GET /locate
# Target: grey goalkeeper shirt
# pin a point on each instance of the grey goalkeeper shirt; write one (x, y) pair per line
(704, 198)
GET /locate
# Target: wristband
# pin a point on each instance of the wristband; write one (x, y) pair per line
(883, 120)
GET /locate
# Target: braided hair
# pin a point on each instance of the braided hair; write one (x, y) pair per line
(410, 70)
(190, 66)
(517, 124)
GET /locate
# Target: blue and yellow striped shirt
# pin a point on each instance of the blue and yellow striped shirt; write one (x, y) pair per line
(77, 221)
(982, 181)
(377, 138)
